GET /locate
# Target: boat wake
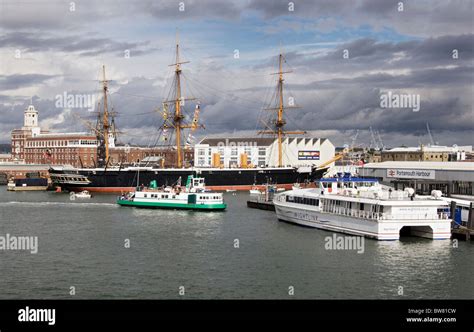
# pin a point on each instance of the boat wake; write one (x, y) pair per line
(72, 203)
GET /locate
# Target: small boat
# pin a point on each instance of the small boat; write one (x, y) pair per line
(191, 197)
(280, 189)
(83, 194)
(230, 190)
(28, 184)
(264, 200)
(296, 186)
(255, 191)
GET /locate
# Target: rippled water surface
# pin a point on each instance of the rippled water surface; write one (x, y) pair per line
(82, 244)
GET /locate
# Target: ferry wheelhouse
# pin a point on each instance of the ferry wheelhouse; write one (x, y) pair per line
(193, 196)
(364, 207)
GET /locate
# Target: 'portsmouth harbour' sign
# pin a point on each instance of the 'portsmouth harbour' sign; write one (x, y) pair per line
(308, 155)
(410, 173)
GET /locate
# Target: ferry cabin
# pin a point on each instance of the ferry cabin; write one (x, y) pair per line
(371, 212)
(174, 198)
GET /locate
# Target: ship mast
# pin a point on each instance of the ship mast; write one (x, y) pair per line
(178, 118)
(279, 123)
(105, 118)
(103, 125)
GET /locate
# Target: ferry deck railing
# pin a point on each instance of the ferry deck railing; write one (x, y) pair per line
(363, 214)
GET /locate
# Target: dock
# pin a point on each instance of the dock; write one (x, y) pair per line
(463, 234)
(462, 229)
(262, 205)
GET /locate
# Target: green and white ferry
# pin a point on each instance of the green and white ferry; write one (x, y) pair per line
(193, 196)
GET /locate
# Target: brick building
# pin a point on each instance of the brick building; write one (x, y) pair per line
(32, 145)
(19, 136)
(138, 155)
(427, 153)
(76, 149)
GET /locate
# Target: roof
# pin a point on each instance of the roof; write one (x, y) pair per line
(226, 141)
(348, 180)
(435, 148)
(436, 165)
(53, 135)
(252, 141)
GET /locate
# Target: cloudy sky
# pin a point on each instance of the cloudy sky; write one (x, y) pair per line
(343, 56)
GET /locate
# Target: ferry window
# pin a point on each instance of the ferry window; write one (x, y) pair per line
(317, 202)
(361, 206)
(381, 208)
(144, 195)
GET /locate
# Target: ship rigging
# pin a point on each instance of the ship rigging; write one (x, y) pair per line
(276, 126)
(173, 116)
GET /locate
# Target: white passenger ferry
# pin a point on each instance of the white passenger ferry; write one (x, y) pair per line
(364, 207)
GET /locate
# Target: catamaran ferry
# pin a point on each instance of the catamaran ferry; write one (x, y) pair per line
(364, 207)
(193, 196)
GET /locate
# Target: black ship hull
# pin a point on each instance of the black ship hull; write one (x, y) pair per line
(117, 180)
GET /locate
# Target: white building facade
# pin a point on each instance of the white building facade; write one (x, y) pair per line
(262, 152)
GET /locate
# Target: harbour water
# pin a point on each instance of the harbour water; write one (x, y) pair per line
(241, 253)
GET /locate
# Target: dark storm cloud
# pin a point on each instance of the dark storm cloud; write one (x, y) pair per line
(82, 45)
(367, 54)
(16, 81)
(429, 17)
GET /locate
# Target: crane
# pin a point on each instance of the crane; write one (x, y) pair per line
(373, 141)
(432, 141)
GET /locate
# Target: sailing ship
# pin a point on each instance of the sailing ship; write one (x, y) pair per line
(107, 178)
(193, 196)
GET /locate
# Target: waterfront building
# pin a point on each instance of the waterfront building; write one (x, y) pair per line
(5, 157)
(452, 178)
(427, 153)
(76, 149)
(249, 152)
(19, 136)
(136, 155)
